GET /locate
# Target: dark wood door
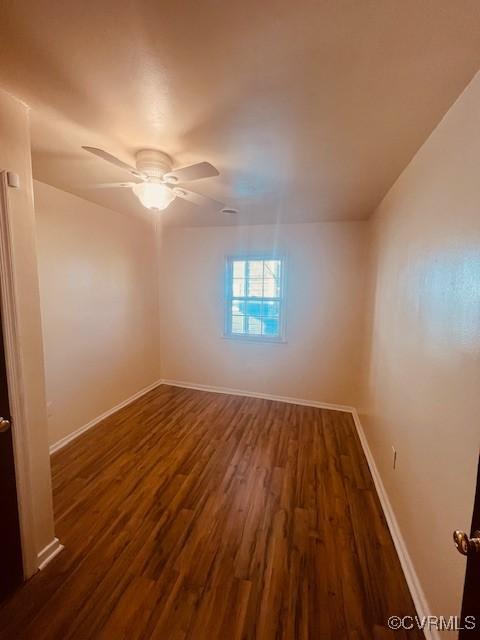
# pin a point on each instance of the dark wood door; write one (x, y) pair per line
(471, 592)
(11, 570)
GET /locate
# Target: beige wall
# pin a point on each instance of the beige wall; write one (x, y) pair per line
(325, 277)
(99, 295)
(423, 374)
(15, 156)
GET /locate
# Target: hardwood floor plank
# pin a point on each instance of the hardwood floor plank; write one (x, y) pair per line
(196, 516)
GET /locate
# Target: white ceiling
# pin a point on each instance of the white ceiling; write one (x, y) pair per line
(310, 109)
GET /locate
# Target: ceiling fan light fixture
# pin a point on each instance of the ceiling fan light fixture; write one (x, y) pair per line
(154, 195)
(160, 184)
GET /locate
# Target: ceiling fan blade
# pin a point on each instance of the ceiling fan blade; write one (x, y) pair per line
(192, 172)
(198, 199)
(113, 160)
(111, 185)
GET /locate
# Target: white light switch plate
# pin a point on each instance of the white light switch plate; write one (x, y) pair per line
(13, 180)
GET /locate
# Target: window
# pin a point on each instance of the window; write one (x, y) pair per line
(254, 300)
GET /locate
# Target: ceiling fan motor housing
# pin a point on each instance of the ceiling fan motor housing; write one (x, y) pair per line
(154, 163)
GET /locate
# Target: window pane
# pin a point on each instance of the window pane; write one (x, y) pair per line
(255, 269)
(271, 309)
(238, 307)
(271, 288)
(238, 268)
(272, 269)
(271, 327)
(255, 288)
(254, 326)
(238, 324)
(253, 308)
(238, 287)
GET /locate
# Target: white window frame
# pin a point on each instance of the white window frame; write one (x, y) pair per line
(228, 269)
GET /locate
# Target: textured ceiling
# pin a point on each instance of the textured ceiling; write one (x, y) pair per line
(310, 109)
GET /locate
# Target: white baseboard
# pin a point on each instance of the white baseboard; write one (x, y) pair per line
(56, 446)
(254, 394)
(48, 553)
(413, 582)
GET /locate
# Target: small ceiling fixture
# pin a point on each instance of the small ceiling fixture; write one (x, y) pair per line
(159, 182)
(229, 211)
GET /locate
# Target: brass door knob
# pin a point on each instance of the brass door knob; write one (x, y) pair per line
(466, 545)
(4, 425)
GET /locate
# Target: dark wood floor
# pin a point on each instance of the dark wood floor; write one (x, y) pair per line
(193, 515)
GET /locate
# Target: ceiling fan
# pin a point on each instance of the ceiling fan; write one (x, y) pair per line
(159, 184)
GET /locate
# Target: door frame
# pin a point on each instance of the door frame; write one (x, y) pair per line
(21, 442)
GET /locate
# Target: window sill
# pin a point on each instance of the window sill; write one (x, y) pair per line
(259, 340)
